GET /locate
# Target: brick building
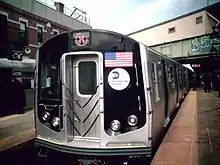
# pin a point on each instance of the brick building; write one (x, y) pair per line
(24, 26)
(38, 26)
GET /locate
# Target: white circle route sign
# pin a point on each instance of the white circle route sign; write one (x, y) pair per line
(118, 79)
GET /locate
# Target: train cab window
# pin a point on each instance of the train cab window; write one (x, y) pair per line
(87, 77)
(49, 83)
(155, 81)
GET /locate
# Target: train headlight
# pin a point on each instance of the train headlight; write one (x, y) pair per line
(132, 120)
(56, 121)
(46, 116)
(115, 125)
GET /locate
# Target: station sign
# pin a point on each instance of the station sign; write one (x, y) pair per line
(16, 55)
(16, 73)
(196, 65)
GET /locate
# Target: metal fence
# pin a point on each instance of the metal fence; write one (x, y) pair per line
(75, 13)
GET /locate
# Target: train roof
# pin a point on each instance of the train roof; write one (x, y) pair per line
(188, 66)
(95, 30)
(162, 55)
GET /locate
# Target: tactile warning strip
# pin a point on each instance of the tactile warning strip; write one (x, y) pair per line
(16, 139)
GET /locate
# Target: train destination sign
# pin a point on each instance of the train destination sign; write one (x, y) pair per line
(118, 79)
(81, 39)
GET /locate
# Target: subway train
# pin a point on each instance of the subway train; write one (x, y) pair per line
(101, 94)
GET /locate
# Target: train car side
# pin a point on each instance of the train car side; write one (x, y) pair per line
(157, 97)
(185, 80)
(167, 90)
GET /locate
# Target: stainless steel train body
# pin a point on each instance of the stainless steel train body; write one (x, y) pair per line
(100, 93)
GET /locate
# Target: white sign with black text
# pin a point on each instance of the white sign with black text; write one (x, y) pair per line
(118, 79)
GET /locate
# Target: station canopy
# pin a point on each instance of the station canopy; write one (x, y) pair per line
(213, 12)
(24, 64)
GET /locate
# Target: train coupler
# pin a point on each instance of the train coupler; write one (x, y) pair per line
(43, 153)
(90, 162)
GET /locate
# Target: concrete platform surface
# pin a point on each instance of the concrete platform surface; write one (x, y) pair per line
(194, 136)
(208, 119)
(16, 129)
(179, 146)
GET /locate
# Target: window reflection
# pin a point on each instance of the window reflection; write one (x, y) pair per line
(50, 82)
(87, 77)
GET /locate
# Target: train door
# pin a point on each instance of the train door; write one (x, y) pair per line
(86, 93)
(164, 70)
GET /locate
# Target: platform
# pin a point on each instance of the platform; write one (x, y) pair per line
(193, 137)
(16, 129)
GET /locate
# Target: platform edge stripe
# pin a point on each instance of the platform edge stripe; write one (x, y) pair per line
(17, 139)
(2, 119)
(8, 117)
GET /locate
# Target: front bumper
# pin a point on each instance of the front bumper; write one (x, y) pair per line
(138, 151)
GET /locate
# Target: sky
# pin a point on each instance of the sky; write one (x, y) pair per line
(126, 16)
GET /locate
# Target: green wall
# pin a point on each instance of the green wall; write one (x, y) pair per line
(189, 47)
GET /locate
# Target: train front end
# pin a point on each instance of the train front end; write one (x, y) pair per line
(91, 98)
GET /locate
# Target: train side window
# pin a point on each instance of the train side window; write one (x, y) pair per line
(169, 70)
(180, 76)
(171, 76)
(87, 77)
(155, 81)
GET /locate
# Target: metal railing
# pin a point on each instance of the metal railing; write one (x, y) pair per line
(75, 13)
